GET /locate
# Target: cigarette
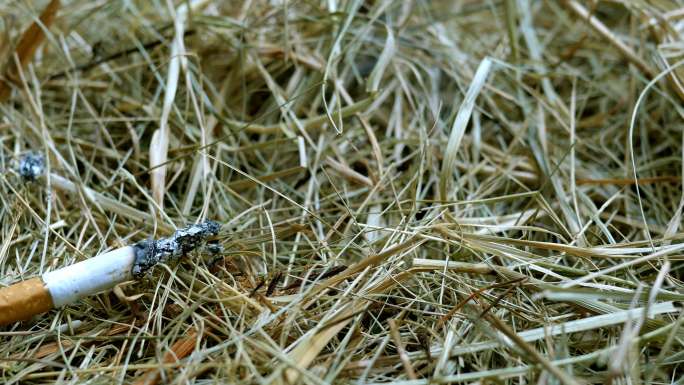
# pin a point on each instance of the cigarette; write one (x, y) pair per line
(67, 285)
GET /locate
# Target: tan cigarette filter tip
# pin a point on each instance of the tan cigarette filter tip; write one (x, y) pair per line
(23, 300)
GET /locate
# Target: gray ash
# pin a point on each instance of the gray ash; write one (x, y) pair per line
(150, 252)
(31, 166)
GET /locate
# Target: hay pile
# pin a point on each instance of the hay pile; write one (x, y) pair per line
(410, 191)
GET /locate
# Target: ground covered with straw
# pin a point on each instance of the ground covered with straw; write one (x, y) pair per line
(410, 191)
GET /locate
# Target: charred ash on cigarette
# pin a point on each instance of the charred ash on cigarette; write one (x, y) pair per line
(150, 252)
(31, 166)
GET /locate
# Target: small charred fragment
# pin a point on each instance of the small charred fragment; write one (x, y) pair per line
(31, 166)
(150, 252)
(274, 283)
(214, 247)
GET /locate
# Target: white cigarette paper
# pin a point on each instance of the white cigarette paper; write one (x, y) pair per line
(100, 273)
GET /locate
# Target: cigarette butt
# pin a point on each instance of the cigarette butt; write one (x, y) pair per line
(69, 284)
(23, 300)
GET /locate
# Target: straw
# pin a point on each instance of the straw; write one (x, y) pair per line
(411, 192)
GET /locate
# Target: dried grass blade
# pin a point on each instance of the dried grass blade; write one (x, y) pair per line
(28, 44)
(460, 123)
(405, 360)
(159, 147)
(383, 61)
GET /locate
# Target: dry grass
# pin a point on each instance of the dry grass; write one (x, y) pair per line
(411, 191)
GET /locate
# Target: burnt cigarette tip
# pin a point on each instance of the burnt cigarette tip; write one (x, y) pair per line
(149, 252)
